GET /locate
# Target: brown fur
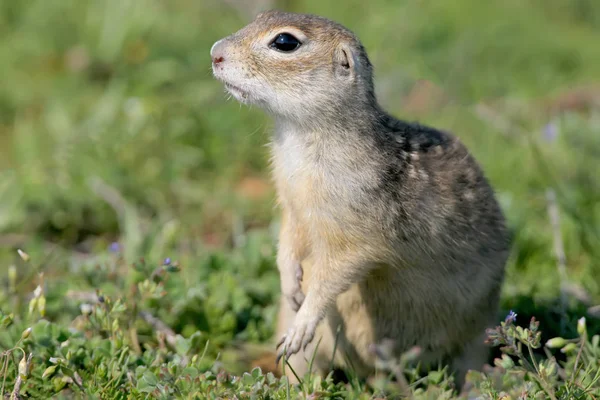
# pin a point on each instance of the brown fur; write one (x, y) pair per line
(389, 229)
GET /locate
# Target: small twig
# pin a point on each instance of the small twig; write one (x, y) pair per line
(402, 382)
(578, 292)
(535, 373)
(383, 352)
(13, 240)
(157, 272)
(130, 222)
(238, 231)
(577, 359)
(559, 250)
(88, 297)
(4, 371)
(533, 360)
(16, 394)
(503, 124)
(109, 194)
(135, 343)
(558, 243)
(486, 113)
(594, 311)
(77, 379)
(160, 326)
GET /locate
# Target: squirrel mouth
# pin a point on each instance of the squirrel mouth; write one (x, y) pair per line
(236, 91)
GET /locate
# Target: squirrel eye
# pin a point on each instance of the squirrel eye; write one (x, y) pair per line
(285, 42)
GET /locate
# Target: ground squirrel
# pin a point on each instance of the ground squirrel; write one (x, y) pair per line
(389, 229)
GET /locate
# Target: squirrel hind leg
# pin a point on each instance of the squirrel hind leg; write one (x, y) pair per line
(473, 357)
(301, 361)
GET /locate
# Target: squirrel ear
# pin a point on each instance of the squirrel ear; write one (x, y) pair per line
(344, 61)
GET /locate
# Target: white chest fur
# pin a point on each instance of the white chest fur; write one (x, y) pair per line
(299, 173)
(293, 158)
(318, 173)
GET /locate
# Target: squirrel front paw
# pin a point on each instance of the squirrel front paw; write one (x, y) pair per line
(298, 336)
(291, 287)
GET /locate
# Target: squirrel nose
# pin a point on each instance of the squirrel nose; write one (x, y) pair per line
(216, 52)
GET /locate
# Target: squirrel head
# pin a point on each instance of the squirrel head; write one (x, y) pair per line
(295, 66)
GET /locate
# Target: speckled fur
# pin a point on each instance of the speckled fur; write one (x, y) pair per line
(389, 229)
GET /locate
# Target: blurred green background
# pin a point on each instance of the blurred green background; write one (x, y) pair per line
(112, 129)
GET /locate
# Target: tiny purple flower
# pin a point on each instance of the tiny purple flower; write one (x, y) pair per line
(511, 317)
(114, 247)
(167, 261)
(550, 132)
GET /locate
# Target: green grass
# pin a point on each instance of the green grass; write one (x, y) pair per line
(112, 129)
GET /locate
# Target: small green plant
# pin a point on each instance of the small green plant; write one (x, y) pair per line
(522, 373)
(115, 347)
(118, 149)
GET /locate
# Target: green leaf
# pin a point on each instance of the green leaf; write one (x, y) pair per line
(49, 371)
(182, 345)
(148, 382)
(248, 379)
(150, 378)
(119, 307)
(145, 387)
(6, 320)
(435, 377)
(59, 383)
(190, 371)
